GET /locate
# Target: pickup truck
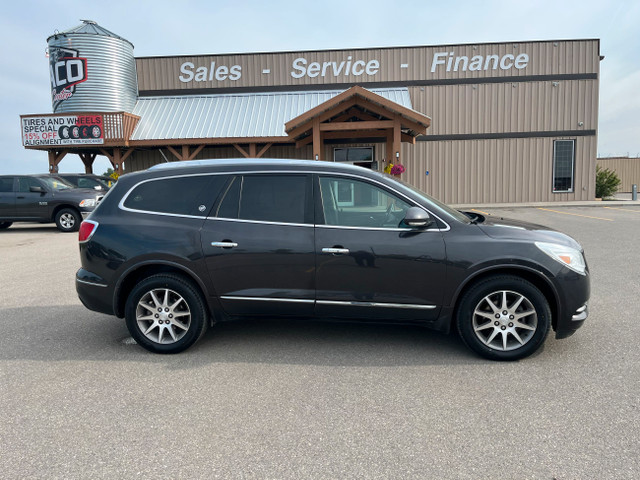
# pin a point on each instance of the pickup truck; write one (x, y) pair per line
(44, 199)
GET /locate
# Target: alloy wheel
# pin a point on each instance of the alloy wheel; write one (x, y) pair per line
(505, 320)
(163, 316)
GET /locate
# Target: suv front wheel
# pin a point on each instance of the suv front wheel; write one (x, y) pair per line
(504, 318)
(165, 314)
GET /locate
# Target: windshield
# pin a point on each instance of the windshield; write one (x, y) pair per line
(461, 217)
(85, 182)
(56, 183)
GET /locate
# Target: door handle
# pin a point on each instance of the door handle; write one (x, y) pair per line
(336, 250)
(224, 244)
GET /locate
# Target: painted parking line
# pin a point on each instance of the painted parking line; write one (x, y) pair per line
(575, 214)
(623, 209)
(479, 211)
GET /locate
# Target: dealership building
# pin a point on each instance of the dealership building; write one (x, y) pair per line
(485, 122)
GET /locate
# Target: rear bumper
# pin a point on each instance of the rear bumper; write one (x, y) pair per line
(93, 292)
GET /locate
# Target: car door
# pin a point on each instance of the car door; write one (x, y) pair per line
(369, 264)
(7, 198)
(32, 205)
(258, 245)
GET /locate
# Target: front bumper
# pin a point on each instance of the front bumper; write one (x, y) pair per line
(573, 291)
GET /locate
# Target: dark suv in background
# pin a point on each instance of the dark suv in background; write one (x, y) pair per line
(179, 247)
(44, 199)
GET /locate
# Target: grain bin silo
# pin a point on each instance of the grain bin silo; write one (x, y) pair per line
(91, 69)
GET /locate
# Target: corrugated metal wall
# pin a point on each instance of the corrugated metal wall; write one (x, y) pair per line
(396, 64)
(497, 170)
(628, 169)
(508, 107)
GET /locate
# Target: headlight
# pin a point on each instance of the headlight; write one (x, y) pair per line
(88, 202)
(569, 257)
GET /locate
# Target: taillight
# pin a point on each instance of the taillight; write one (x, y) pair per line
(87, 229)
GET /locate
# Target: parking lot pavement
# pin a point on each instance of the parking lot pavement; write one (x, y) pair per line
(267, 399)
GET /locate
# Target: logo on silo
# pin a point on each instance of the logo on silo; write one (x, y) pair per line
(67, 70)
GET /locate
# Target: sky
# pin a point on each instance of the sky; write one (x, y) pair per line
(160, 27)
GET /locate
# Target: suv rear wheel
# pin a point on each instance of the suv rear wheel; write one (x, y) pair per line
(504, 318)
(165, 314)
(68, 220)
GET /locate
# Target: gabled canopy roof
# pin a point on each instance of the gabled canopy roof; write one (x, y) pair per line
(412, 122)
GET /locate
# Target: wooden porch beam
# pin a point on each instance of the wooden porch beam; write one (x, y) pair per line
(264, 149)
(175, 152)
(338, 126)
(241, 150)
(195, 152)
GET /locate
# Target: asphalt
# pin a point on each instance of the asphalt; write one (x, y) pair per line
(291, 400)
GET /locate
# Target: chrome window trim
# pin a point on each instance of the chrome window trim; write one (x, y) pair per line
(276, 172)
(377, 304)
(267, 299)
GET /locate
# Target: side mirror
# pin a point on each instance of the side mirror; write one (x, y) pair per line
(417, 218)
(37, 189)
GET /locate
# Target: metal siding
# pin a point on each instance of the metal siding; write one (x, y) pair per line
(545, 58)
(510, 170)
(628, 169)
(508, 107)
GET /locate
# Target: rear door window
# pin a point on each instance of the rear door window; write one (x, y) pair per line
(6, 184)
(279, 198)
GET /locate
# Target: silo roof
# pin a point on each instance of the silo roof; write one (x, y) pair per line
(89, 27)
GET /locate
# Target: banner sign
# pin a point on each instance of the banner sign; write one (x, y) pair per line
(62, 130)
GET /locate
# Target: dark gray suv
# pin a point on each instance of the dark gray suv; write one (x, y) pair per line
(179, 247)
(44, 199)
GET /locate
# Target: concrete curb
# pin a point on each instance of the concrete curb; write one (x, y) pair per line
(605, 203)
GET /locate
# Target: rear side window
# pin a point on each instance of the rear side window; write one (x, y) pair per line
(6, 185)
(191, 195)
(268, 198)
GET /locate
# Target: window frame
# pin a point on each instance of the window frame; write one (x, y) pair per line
(572, 187)
(371, 148)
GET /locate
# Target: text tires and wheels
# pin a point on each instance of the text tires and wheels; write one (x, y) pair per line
(166, 314)
(5, 225)
(68, 220)
(504, 318)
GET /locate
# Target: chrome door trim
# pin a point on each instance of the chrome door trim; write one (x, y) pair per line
(376, 304)
(267, 299)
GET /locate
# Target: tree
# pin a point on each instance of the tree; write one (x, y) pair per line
(607, 182)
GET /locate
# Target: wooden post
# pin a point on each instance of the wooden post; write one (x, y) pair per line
(317, 141)
(55, 157)
(397, 141)
(87, 160)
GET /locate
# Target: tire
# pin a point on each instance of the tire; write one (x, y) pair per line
(176, 303)
(63, 132)
(5, 225)
(489, 331)
(68, 220)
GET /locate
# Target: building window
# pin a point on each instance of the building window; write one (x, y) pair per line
(353, 154)
(564, 155)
